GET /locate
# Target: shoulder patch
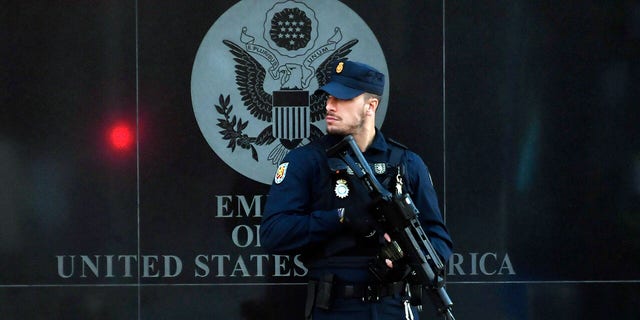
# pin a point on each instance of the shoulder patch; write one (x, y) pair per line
(281, 172)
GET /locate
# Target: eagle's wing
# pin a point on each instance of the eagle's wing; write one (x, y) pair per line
(318, 102)
(250, 76)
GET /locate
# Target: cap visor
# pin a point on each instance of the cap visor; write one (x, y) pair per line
(340, 91)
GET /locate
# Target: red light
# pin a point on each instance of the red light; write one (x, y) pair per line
(121, 137)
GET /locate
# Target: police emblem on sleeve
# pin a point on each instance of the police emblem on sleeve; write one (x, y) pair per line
(281, 172)
(341, 189)
(256, 69)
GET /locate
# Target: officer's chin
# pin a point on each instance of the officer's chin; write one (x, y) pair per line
(332, 130)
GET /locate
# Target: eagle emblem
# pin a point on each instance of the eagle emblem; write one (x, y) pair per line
(289, 111)
(255, 72)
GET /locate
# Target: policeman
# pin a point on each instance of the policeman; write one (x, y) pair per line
(318, 208)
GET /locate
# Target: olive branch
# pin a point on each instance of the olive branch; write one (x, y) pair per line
(232, 129)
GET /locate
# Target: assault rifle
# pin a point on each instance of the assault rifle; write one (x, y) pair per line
(397, 214)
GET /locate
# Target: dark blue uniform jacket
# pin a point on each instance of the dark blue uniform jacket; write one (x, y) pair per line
(301, 213)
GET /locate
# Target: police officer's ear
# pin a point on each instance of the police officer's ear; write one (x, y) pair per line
(372, 102)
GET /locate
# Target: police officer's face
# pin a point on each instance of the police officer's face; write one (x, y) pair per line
(348, 116)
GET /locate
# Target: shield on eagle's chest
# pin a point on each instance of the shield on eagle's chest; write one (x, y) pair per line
(290, 114)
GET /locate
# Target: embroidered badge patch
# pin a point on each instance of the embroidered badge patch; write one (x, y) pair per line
(379, 168)
(342, 191)
(281, 172)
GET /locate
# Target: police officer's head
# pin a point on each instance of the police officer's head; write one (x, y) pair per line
(354, 91)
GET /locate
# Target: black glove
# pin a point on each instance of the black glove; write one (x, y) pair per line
(390, 250)
(383, 273)
(358, 217)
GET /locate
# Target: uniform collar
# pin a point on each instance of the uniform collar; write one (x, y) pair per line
(379, 144)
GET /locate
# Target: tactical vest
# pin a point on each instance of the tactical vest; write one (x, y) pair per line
(343, 190)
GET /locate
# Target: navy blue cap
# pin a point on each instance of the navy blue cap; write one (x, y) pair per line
(350, 79)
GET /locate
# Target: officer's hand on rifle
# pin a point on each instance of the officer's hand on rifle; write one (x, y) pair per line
(388, 261)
